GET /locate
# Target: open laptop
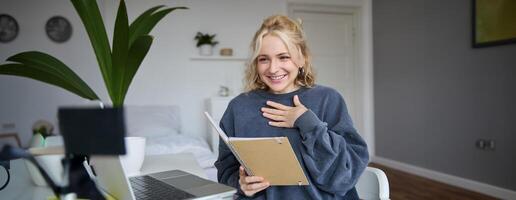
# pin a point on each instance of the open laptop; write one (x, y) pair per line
(100, 133)
(173, 184)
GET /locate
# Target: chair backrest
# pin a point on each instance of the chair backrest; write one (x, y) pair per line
(373, 184)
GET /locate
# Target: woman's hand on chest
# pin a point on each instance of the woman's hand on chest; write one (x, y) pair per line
(281, 115)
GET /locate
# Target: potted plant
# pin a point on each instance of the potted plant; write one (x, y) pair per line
(41, 129)
(118, 64)
(205, 43)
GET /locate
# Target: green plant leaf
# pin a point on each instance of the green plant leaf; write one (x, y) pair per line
(89, 12)
(146, 22)
(137, 53)
(45, 61)
(53, 66)
(41, 73)
(119, 55)
(139, 20)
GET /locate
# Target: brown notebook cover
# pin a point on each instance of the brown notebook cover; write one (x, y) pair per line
(269, 157)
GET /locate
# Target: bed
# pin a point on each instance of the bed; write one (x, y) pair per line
(161, 126)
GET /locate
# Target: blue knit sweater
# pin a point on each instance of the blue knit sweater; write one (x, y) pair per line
(331, 152)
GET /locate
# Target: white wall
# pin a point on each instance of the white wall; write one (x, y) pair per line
(167, 75)
(188, 83)
(24, 101)
(436, 95)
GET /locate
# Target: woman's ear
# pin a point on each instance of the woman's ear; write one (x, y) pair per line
(301, 71)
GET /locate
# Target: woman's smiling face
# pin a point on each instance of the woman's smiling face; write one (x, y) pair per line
(276, 67)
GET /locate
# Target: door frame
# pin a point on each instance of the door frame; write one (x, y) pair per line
(362, 12)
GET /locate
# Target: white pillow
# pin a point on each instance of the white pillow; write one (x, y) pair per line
(152, 120)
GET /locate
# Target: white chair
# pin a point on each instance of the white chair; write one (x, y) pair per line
(373, 185)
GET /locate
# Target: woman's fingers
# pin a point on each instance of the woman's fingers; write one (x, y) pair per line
(283, 116)
(251, 189)
(274, 117)
(278, 105)
(279, 124)
(257, 186)
(253, 179)
(273, 111)
(250, 185)
(297, 102)
(242, 171)
(249, 179)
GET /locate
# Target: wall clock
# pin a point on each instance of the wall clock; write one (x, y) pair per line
(8, 28)
(58, 29)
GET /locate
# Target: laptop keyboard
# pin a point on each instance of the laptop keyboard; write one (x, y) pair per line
(146, 187)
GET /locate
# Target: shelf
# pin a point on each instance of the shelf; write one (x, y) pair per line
(218, 58)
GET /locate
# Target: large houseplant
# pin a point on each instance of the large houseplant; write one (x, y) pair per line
(118, 63)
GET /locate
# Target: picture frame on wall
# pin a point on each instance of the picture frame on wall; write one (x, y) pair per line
(493, 22)
(58, 29)
(8, 28)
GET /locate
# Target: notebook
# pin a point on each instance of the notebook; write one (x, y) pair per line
(269, 157)
(170, 185)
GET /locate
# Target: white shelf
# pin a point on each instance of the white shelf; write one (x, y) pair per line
(216, 58)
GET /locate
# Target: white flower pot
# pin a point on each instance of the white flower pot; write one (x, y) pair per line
(37, 140)
(135, 153)
(50, 163)
(206, 50)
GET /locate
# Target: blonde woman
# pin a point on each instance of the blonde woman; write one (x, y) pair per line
(283, 100)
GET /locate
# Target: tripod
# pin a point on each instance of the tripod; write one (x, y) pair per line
(78, 183)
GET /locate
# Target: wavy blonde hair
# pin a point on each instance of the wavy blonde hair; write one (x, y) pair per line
(291, 33)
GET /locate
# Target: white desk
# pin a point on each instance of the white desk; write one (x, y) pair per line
(21, 186)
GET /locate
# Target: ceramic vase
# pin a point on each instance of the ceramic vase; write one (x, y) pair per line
(50, 163)
(206, 50)
(135, 154)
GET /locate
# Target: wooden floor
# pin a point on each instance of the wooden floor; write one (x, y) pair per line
(405, 186)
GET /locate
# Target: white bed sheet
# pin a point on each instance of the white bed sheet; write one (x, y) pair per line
(179, 143)
(160, 125)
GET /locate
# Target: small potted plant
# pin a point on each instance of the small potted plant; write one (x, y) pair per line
(205, 43)
(40, 131)
(43, 127)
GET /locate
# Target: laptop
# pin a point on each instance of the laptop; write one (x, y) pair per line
(100, 133)
(170, 185)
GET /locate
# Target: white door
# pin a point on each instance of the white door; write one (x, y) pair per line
(332, 41)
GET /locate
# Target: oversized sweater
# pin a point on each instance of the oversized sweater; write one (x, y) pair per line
(331, 152)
